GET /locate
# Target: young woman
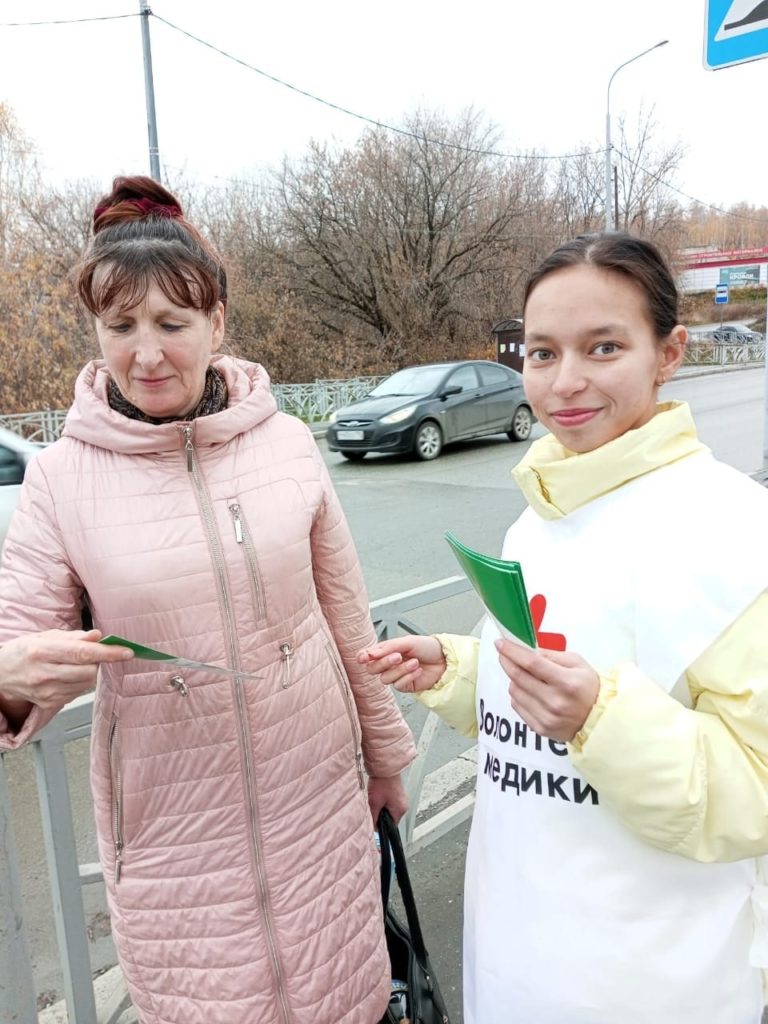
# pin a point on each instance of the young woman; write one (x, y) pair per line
(232, 809)
(614, 868)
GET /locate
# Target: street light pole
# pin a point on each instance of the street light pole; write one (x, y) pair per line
(609, 225)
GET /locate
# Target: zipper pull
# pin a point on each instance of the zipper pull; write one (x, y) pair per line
(234, 509)
(188, 446)
(177, 682)
(286, 649)
(118, 860)
(360, 771)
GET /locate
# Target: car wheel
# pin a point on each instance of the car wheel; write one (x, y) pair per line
(354, 456)
(522, 422)
(429, 441)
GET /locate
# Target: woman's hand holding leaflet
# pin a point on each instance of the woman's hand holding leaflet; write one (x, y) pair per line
(52, 668)
(409, 663)
(552, 691)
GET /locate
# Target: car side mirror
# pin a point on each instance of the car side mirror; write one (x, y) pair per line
(454, 389)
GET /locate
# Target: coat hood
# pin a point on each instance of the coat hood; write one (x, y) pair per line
(91, 419)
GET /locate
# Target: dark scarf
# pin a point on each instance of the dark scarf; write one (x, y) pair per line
(214, 399)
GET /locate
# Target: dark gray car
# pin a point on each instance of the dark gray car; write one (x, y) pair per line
(421, 408)
(732, 334)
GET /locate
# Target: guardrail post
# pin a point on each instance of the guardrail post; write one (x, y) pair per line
(64, 872)
(18, 1003)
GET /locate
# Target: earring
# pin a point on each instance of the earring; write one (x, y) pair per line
(662, 380)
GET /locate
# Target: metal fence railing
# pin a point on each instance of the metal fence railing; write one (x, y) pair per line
(310, 402)
(706, 351)
(391, 617)
(314, 402)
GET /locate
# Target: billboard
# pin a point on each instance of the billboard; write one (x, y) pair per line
(740, 277)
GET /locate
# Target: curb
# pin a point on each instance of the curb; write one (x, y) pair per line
(692, 370)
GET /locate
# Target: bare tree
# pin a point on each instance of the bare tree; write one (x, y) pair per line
(646, 204)
(579, 192)
(17, 168)
(395, 234)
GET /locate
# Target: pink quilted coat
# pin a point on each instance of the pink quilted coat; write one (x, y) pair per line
(232, 817)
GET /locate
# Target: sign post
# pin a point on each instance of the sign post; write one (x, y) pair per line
(736, 31)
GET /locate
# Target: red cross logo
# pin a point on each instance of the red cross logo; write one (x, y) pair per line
(549, 641)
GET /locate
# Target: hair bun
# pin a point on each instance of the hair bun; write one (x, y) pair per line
(133, 199)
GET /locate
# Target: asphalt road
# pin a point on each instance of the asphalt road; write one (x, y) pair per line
(398, 510)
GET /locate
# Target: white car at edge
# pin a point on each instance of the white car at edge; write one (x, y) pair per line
(15, 454)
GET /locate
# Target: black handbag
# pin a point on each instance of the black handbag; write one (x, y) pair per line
(416, 996)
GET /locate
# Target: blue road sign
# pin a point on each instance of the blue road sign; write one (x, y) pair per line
(735, 31)
(721, 294)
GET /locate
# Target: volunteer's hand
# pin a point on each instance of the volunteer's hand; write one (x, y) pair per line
(409, 663)
(388, 793)
(552, 691)
(52, 668)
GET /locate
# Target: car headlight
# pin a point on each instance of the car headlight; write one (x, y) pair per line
(332, 417)
(399, 415)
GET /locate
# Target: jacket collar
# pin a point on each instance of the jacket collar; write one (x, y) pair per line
(556, 481)
(92, 420)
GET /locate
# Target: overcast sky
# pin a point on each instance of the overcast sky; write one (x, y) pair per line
(539, 69)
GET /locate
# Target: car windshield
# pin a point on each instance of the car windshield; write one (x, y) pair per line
(415, 380)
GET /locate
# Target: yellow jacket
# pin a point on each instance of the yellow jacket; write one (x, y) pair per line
(690, 781)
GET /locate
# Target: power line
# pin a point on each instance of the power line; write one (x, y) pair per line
(477, 151)
(66, 21)
(700, 202)
(363, 117)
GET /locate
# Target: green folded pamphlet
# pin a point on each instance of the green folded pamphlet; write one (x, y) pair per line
(151, 654)
(501, 588)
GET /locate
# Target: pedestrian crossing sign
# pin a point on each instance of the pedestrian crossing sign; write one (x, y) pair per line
(735, 31)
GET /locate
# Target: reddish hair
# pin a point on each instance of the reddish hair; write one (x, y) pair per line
(141, 237)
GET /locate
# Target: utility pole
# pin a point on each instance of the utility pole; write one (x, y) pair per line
(149, 92)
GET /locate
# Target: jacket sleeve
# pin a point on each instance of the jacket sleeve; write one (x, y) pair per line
(39, 590)
(690, 781)
(453, 695)
(387, 742)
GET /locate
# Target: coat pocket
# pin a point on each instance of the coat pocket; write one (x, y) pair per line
(354, 725)
(245, 541)
(116, 778)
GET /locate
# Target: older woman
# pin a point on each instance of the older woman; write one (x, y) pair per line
(232, 807)
(615, 870)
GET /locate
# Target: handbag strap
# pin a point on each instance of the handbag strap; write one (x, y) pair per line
(392, 848)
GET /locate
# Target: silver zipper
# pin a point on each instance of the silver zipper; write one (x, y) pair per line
(214, 544)
(117, 798)
(356, 737)
(188, 446)
(177, 682)
(286, 650)
(243, 536)
(235, 510)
